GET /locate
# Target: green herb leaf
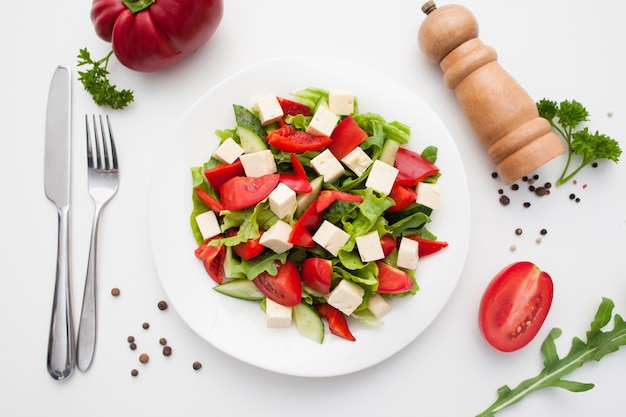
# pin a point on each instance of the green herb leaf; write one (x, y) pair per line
(599, 344)
(96, 82)
(564, 118)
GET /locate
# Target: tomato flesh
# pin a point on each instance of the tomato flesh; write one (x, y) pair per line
(212, 257)
(241, 192)
(515, 305)
(392, 280)
(317, 274)
(284, 288)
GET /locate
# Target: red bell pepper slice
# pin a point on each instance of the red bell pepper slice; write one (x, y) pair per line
(413, 167)
(301, 231)
(328, 197)
(297, 181)
(388, 243)
(293, 108)
(241, 192)
(346, 136)
(337, 322)
(212, 257)
(403, 196)
(428, 246)
(289, 139)
(221, 173)
(208, 200)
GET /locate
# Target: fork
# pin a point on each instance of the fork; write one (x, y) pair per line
(103, 181)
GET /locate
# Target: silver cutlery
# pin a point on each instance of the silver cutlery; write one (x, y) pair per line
(60, 358)
(103, 181)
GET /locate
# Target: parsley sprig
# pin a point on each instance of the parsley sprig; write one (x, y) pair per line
(565, 117)
(599, 344)
(96, 82)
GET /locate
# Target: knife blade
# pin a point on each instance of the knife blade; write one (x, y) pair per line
(61, 349)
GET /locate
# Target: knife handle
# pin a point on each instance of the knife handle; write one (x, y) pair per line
(61, 339)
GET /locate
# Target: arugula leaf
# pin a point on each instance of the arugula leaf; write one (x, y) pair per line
(96, 82)
(599, 344)
(589, 147)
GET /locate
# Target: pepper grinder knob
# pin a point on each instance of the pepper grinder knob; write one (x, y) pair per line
(502, 115)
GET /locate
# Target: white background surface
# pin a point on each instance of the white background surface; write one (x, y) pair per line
(557, 49)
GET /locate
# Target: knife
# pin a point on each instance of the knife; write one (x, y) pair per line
(61, 354)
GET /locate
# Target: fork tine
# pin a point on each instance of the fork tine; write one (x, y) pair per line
(98, 144)
(90, 163)
(112, 145)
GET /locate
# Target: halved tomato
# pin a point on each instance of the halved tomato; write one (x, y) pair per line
(241, 192)
(392, 280)
(284, 288)
(515, 305)
(317, 274)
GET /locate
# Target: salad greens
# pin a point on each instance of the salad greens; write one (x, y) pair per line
(599, 344)
(565, 117)
(96, 82)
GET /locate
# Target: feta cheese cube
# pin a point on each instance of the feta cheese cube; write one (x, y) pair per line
(381, 177)
(277, 237)
(378, 306)
(269, 109)
(408, 253)
(428, 195)
(260, 163)
(208, 224)
(346, 296)
(277, 315)
(323, 122)
(228, 151)
(330, 237)
(357, 161)
(328, 166)
(369, 246)
(341, 101)
(282, 200)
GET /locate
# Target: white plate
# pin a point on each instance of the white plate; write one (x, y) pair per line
(238, 327)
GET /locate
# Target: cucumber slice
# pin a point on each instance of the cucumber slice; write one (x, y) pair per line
(245, 118)
(389, 152)
(243, 289)
(250, 141)
(308, 322)
(304, 200)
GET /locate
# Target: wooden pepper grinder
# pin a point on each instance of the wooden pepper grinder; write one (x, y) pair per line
(502, 115)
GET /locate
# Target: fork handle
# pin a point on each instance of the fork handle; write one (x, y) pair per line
(60, 360)
(86, 345)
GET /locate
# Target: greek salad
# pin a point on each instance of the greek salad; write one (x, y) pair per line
(315, 210)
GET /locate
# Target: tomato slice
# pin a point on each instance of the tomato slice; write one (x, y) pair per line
(403, 196)
(428, 246)
(515, 305)
(317, 274)
(388, 243)
(346, 136)
(297, 181)
(413, 167)
(328, 197)
(248, 249)
(208, 200)
(212, 258)
(293, 108)
(392, 280)
(241, 192)
(337, 323)
(284, 288)
(289, 139)
(221, 173)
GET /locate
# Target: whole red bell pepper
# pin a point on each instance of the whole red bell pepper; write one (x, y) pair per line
(151, 35)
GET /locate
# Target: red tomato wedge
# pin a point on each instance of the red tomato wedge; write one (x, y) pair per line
(208, 201)
(346, 136)
(403, 196)
(328, 197)
(285, 288)
(241, 192)
(413, 167)
(427, 246)
(337, 323)
(289, 139)
(293, 108)
(388, 243)
(248, 249)
(392, 280)
(297, 181)
(219, 174)
(515, 305)
(300, 236)
(213, 259)
(317, 273)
